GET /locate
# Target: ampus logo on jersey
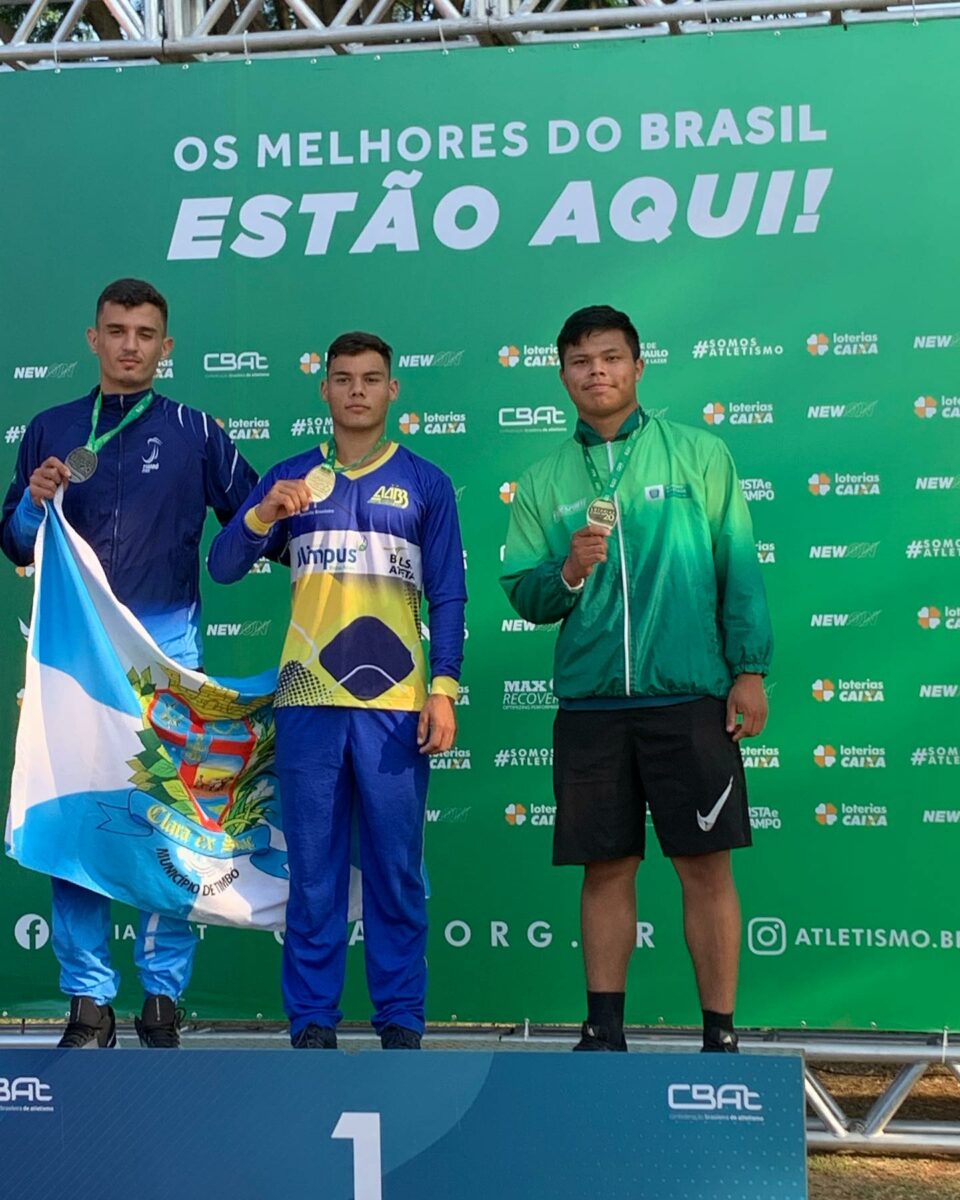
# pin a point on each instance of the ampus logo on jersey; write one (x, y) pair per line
(324, 557)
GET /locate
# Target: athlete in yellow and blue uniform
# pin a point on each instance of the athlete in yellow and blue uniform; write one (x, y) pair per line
(365, 538)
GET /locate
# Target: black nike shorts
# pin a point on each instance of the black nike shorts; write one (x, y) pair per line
(677, 760)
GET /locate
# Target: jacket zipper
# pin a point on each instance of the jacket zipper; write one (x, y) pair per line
(623, 581)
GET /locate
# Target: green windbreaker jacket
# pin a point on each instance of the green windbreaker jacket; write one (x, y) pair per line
(679, 607)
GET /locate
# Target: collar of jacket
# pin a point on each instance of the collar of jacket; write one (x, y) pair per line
(115, 401)
(589, 437)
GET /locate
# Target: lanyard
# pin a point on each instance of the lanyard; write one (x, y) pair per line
(95, 443)
(616, 474)
(332, 465)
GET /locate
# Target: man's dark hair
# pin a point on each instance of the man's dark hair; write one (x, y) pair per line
(356, 343)
(131, 293)
(592, 320)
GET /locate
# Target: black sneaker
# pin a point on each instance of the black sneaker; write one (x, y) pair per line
(396, 1037)
(592, 1037)
(315, 1037)
(720, 1041)
(158, 1026)
(91, 1026)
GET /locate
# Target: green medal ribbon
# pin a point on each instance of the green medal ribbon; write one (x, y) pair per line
(331, 463)
(95, 443)
(616, 474)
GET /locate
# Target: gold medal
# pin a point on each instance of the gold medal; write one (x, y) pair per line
(602, 513)
(320, 480)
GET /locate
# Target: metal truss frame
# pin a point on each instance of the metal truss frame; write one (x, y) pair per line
(828, 1128)
(60, 33)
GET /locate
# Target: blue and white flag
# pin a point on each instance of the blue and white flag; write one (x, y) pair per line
(136, 777)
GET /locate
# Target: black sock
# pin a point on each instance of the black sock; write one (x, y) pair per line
(715, 1023)
(605, 1010)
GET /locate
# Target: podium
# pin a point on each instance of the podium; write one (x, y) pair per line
(379, 1125)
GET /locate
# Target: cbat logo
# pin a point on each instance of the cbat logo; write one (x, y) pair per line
(713, 414)
(928, 617)
(27, 1088)
(507, 492)
(925, 407)
(509, 355)
(546, 418)
(707, 1097)
(826, 814)
(825, 755)
(409, 423)
(31, 932)
(818, 344)
(819, 484)
(515, 814)
(310, 363)
(823, 690)
(232, 364)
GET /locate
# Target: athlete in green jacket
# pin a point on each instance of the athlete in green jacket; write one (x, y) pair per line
(635, 536)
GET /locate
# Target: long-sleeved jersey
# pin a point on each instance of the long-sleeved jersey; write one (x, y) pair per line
(360, 560)
(678, 608)
(143, 510)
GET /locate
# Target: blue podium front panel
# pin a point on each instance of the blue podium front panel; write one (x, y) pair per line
(442, 1125)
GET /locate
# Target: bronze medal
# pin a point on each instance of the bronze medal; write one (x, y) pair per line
(602, 513)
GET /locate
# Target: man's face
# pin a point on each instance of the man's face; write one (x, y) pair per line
(359, 390)
(130, 342)
(601, 374)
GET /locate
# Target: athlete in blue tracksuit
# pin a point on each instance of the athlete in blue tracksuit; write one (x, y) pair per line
(142, 512)
(366, 528)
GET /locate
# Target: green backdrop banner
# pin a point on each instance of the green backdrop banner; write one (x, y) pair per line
(779, 215)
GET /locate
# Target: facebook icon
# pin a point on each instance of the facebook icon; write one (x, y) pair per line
(32, 932)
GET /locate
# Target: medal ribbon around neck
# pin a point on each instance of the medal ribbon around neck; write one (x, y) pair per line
(82, 461)
(321, 479)
(603, 511)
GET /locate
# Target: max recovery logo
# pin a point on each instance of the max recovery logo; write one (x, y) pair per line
(529, 694)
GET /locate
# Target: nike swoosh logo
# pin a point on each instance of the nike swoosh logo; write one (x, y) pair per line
(707, 823)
